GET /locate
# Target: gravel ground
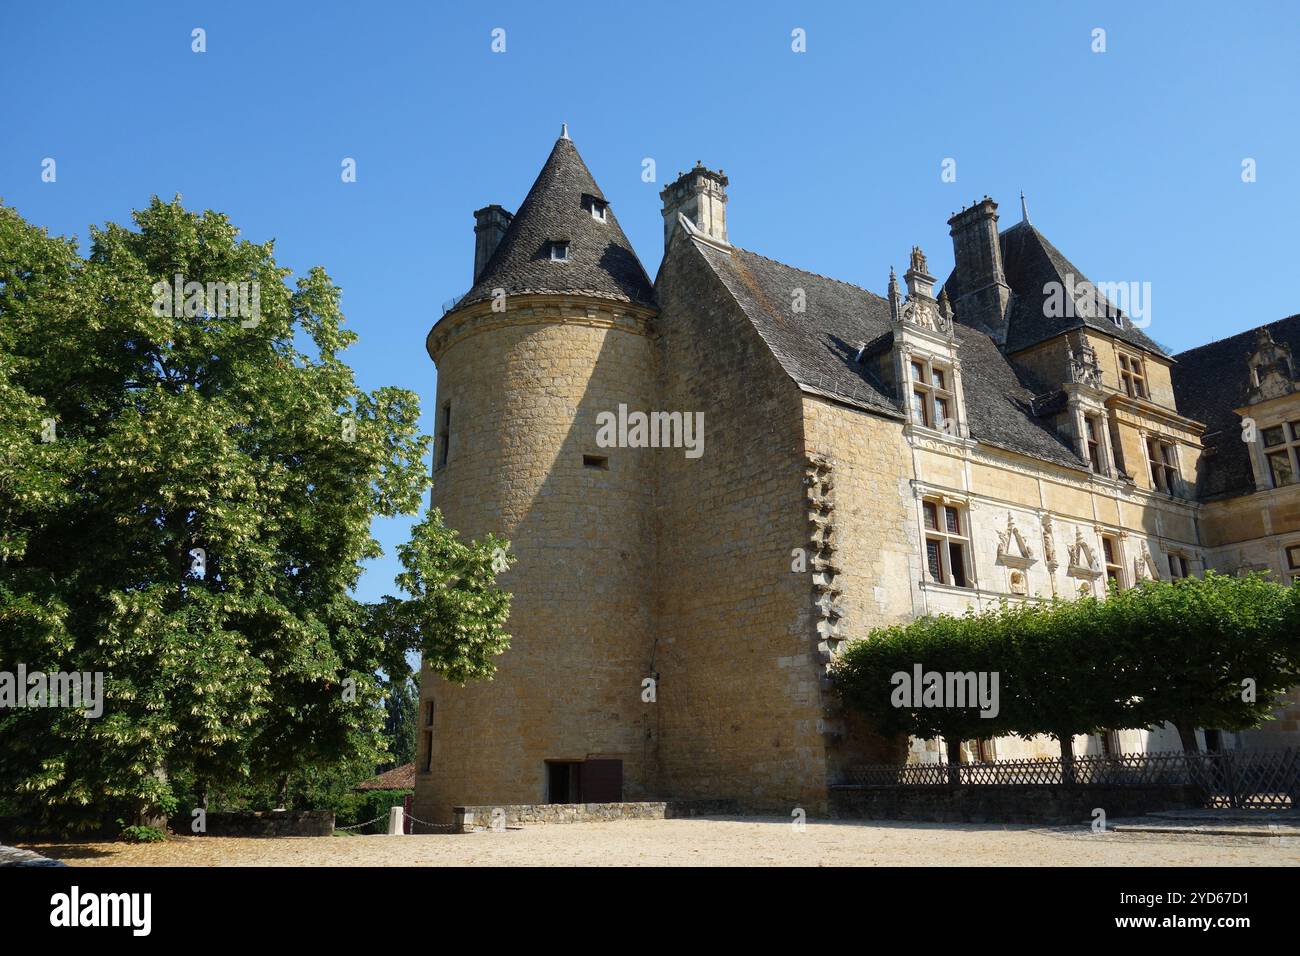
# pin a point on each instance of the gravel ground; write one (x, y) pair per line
(706, 842)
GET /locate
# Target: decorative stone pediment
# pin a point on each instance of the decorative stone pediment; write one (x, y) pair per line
(1083, 559)
(925, 313)
(1012, 549)
(1144, 566)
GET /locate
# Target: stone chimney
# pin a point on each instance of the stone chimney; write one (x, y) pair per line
(982, 293)
(700, 196)
(490, 224)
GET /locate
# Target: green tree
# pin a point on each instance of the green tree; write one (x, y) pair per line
(1211, 652)
(196, 527)
(401, 711)
(874, 677)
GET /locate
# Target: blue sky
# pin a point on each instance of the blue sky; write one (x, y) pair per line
(1131, 159)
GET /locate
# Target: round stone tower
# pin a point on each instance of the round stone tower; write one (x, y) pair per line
(554, 331)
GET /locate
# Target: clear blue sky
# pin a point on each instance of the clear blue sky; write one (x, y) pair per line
(1131, 158)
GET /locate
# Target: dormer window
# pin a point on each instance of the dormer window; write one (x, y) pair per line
(1132, 377)
(598, 209)
(560, 251)
(931, 398)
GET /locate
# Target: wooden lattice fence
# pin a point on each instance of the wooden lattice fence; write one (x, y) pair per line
(1253, 779)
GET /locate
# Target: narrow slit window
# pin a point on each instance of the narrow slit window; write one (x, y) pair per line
(444, 435)
(600, 462)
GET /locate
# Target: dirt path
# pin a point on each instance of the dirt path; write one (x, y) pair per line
(705, 842)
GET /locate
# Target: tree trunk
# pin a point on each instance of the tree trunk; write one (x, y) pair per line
(1187, 735)
(1067, 757)
(954, 760)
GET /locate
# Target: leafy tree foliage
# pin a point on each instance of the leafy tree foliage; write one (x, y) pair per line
(1211, 652)
(185, 502)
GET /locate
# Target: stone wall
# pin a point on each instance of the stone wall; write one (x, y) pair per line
(469, 819)
(739, 698)
(1028, 804)
(525, 387)
(270, 823)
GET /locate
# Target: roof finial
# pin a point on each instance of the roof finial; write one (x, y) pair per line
(1024, 208)
(564, 131)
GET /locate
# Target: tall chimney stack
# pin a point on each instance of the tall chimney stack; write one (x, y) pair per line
(982, 294)
(699, 195)
(490, 224)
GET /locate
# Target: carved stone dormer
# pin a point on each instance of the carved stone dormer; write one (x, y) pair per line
(1272, 373)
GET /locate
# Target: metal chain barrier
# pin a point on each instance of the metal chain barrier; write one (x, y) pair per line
(435, 827)
(358, 826)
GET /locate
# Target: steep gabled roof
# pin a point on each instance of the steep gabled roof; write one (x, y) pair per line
(601, 261)
(1030, 262)
(1209, 382)
(817, 348)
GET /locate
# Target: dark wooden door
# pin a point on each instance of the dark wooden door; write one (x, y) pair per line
(602, 781)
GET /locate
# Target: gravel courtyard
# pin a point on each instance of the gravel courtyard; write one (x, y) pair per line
(707, 842)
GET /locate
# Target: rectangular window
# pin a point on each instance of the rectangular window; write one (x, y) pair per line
(1279, 466)
(952, 520)
(932, 403)
(598, 210)
(1282, 453)
(918, 409)
(560, 251)
(1162, 459)
(1132, 377)
(1110, 551)
(444, 435)
(1177, 566)
(957, 563)
(932, 559)
(945, 544)
(1094, 444)
(426, 764)
(596, 461)
(1293, 564)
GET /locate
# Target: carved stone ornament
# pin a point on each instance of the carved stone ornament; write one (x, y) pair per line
(1083, 560)
(1012, 549)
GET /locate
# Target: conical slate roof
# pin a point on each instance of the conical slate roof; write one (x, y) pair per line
(558, 208)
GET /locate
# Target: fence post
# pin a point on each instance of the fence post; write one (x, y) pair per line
(395, 815)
